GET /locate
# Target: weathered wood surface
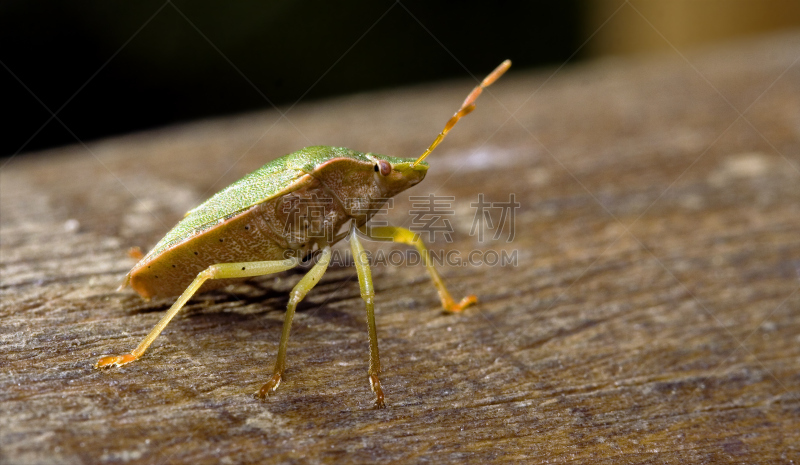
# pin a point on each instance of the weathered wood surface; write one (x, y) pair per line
(653, 315)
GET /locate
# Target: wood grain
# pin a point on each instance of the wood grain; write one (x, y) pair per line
(652, 315)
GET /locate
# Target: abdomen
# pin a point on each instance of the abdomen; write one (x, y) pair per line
(246, 237)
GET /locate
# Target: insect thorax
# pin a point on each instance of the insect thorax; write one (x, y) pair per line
(317, 213)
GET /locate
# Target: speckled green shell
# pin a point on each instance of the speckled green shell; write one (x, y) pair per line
(272, 180)
(223, 229)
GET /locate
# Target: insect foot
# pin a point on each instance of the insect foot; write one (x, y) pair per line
(115, 360)
(465, 302)
(375, 384)
(269, 387)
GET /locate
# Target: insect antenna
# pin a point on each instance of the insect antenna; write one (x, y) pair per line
(466, 107)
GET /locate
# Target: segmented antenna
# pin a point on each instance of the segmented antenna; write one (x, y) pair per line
(466, 107)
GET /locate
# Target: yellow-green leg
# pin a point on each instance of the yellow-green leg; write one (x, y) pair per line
(405, 236)
(368, 294)
(218, 271)
(298, 292)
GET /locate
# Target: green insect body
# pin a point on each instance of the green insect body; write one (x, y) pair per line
(250, 219)
(269, 220)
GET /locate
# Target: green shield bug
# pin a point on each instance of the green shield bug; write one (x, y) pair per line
(257, 226)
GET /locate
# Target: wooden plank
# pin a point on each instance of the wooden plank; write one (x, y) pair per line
(651, 316)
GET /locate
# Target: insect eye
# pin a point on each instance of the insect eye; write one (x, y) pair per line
(383, 167)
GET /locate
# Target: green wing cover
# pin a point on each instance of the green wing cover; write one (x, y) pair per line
(276, 178)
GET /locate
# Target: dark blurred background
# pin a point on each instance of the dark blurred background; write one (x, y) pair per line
(108, 67)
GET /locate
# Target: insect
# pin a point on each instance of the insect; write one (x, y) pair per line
(258, 226)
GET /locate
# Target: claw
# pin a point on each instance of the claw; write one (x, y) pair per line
(375, 384)
(465, 302)
(270, 386)
(115, 360)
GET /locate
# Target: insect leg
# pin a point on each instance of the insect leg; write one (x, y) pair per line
(405, 236)
(218, 271)
(298, 292)
(368, 294)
